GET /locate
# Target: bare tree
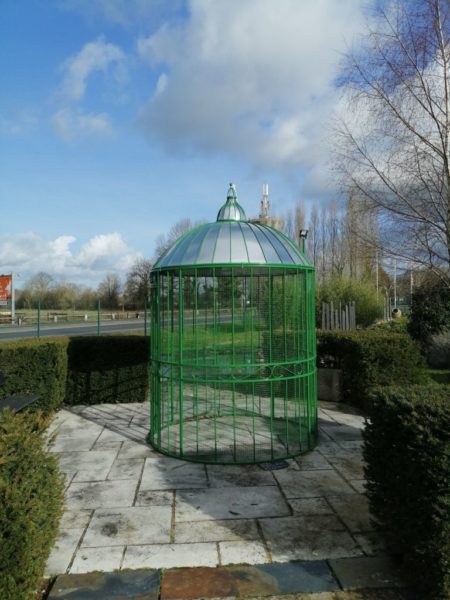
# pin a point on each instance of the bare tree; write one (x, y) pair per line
(164, 241)
(137, 287)
(41, 284)
(360, 232)
(314, 235)
(299, 214)
(393, 149)
(289, 224)
(109, 291)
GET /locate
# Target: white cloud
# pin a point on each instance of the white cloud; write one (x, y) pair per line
(19, 123)
(252, 79)
(98, 250)
(71, 125)
(28, 253)
(94, 56)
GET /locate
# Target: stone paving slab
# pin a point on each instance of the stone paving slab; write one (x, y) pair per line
(217, 531)
(238, 475)
(129, 506)
(310, 506)
(308, 537)
(241, 552)
(353, 510)
(107, 586)
(63, 551)
(103, 494)
(116, 527)
(230, 503)
(166, 556)
(89, 466)
(366, 572)
(311, 484)
(126, 468)
(264, 580)
(97, 559)
(171, 473)
(382, 594)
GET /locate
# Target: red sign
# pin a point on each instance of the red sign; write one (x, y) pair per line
(5, 290)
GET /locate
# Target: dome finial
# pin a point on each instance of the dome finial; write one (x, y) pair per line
(232, 191)
(231, 210)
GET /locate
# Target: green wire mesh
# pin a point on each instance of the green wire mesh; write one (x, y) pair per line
(233, 363)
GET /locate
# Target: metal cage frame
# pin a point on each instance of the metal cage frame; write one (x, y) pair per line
(233, 371)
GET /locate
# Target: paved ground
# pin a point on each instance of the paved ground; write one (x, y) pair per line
(127, 507)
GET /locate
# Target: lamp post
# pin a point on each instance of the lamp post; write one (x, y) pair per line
(303, 234)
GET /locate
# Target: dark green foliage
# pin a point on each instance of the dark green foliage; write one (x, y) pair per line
(31, 500)
(392, 326)
(370, 358)
(108, 369)
(407, 451)
(441, 376)
(369, 306)
(430, 311)
(33, 367)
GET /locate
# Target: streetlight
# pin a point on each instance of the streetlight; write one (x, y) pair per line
(303, 234)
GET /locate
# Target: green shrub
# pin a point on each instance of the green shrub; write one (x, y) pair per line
(407, 451)
(369, 306)
(441, 376)
(31, 367)
(108, 369)
(370, 358)
(430, 311)
(392, 326)
(31, 499)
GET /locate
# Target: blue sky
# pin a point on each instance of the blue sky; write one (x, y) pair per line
(120, 117)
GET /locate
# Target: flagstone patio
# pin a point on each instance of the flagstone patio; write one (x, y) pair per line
(128, 507)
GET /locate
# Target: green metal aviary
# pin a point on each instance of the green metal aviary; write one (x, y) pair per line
(233, 344)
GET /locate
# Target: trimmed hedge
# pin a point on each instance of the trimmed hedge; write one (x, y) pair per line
(108, 369)
(371, 358)
(407, 450)
(31, 500)
(35, 367)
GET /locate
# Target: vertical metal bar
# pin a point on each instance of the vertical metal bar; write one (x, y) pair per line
(181, 358)
(232, 316)
(252, 306)
(166, 384)
(160, 382)
(145, 317)
(13, 298)
(233, 361)
(38, 333)
(151, 366)
(194, 320)
(284, 315)
(314, 354)
(272, 407)
(98, 317)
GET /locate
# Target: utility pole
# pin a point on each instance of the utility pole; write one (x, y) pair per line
(395, 283)
(376, 272)
(13, 300)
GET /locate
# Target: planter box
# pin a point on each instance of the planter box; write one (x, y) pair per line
(329, 384)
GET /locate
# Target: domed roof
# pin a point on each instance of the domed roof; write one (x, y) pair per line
(232, 240)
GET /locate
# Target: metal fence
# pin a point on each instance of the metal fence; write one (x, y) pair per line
(39, 322)
(339, 316)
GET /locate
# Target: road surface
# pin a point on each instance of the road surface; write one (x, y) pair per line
(17, 333)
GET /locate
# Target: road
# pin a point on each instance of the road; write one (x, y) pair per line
(17, 333)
